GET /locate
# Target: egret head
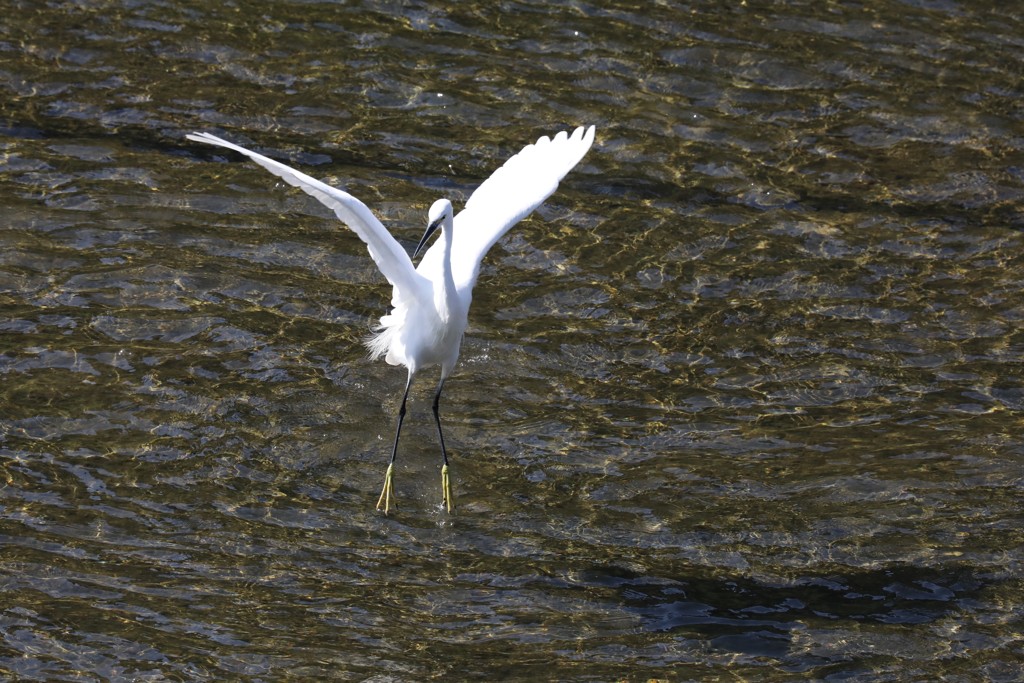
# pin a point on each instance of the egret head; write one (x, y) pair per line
(439, 216)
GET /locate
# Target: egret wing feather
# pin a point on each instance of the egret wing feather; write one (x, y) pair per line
(510, 195)
(386, 252)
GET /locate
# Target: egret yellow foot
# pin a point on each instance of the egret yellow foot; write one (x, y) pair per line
(446, 489)
(388, 492)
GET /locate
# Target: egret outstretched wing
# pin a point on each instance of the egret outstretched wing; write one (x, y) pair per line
(386, 252)
(509, 195)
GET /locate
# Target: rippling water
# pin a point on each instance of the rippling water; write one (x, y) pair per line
(743, 399)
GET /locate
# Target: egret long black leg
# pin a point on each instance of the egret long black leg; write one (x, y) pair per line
(446, 488)
(388, 493)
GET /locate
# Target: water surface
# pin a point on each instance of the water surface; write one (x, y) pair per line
(742, 399)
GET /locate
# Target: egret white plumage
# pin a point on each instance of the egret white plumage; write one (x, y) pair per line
(431, 302)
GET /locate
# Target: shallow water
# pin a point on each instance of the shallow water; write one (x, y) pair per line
(742, 399)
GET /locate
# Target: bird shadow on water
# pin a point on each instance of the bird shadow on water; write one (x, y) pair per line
(748, 617)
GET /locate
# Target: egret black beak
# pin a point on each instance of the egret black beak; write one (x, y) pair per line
(426, 236)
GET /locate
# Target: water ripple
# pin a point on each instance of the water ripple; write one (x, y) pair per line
(742, 399)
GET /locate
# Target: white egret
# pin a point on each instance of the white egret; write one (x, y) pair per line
(431, 302)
